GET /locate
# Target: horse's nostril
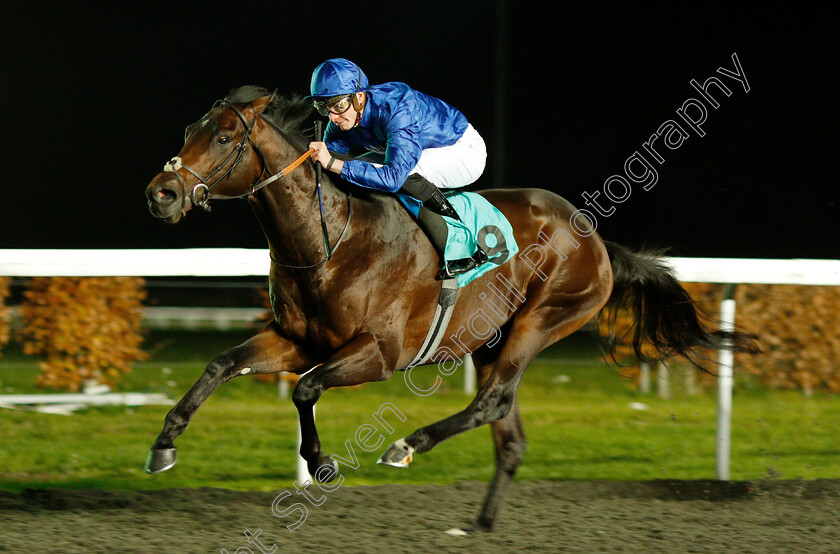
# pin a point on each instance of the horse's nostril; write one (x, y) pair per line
(164, 196)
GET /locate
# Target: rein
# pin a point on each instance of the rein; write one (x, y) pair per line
(173, 165)
(330, 251)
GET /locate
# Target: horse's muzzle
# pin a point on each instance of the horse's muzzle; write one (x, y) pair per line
(166, 198)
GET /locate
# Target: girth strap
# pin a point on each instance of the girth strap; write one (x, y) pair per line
(443, 313)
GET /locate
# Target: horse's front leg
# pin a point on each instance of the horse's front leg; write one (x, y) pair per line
(364, 359)
(265, 352)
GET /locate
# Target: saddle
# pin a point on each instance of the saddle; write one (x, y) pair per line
(472, 225)
(462, 227)
(439, 204)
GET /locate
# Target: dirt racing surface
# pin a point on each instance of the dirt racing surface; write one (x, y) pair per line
(656, 516)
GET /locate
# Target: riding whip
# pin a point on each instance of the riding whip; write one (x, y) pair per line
(319, 137)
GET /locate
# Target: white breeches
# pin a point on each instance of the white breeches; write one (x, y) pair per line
(457, 165)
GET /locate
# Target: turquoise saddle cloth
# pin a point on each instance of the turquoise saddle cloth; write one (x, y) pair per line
(481, 224)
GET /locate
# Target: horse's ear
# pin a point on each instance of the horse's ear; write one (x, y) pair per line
(260, 104)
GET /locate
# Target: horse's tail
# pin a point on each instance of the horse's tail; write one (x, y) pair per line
(666, 322)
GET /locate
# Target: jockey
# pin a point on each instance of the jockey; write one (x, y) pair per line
(401, 141)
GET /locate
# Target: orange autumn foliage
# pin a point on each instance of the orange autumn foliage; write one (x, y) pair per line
(5, 312)
(82, 328)
(799, 331)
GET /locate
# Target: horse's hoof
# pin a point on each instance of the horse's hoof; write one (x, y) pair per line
(397, 455)
(160, 460)
(478, 528)
(324, 463)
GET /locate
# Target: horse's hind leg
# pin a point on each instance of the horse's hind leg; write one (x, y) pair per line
(266, 352)
(555, 308)
(530, 331)
(509, 439)
(494, 401)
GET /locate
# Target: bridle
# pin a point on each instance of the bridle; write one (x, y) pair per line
(238, 150)
(175, 164)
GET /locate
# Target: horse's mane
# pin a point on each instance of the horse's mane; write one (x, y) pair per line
(291, 114)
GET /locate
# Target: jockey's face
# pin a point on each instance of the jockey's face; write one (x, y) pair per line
(347, 119)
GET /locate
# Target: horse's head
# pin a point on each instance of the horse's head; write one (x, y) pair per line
(219, 159)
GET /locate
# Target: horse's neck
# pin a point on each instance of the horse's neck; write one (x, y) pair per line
(289, 214)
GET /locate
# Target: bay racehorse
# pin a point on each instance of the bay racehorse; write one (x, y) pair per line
(361, 312)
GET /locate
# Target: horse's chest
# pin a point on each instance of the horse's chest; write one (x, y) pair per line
(317, 325)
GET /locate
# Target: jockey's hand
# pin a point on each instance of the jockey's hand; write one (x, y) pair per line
(321, 154)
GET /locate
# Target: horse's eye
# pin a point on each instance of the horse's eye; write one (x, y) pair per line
(223, 140)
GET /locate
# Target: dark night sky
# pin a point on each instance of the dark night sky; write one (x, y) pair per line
(95, 102)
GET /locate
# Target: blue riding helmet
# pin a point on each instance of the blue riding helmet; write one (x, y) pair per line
(335, 77)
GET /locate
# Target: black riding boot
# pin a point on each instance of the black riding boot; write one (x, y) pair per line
(424, 190)
(436, 205)
(436, 229)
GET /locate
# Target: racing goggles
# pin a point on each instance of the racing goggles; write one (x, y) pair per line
(336, 105)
